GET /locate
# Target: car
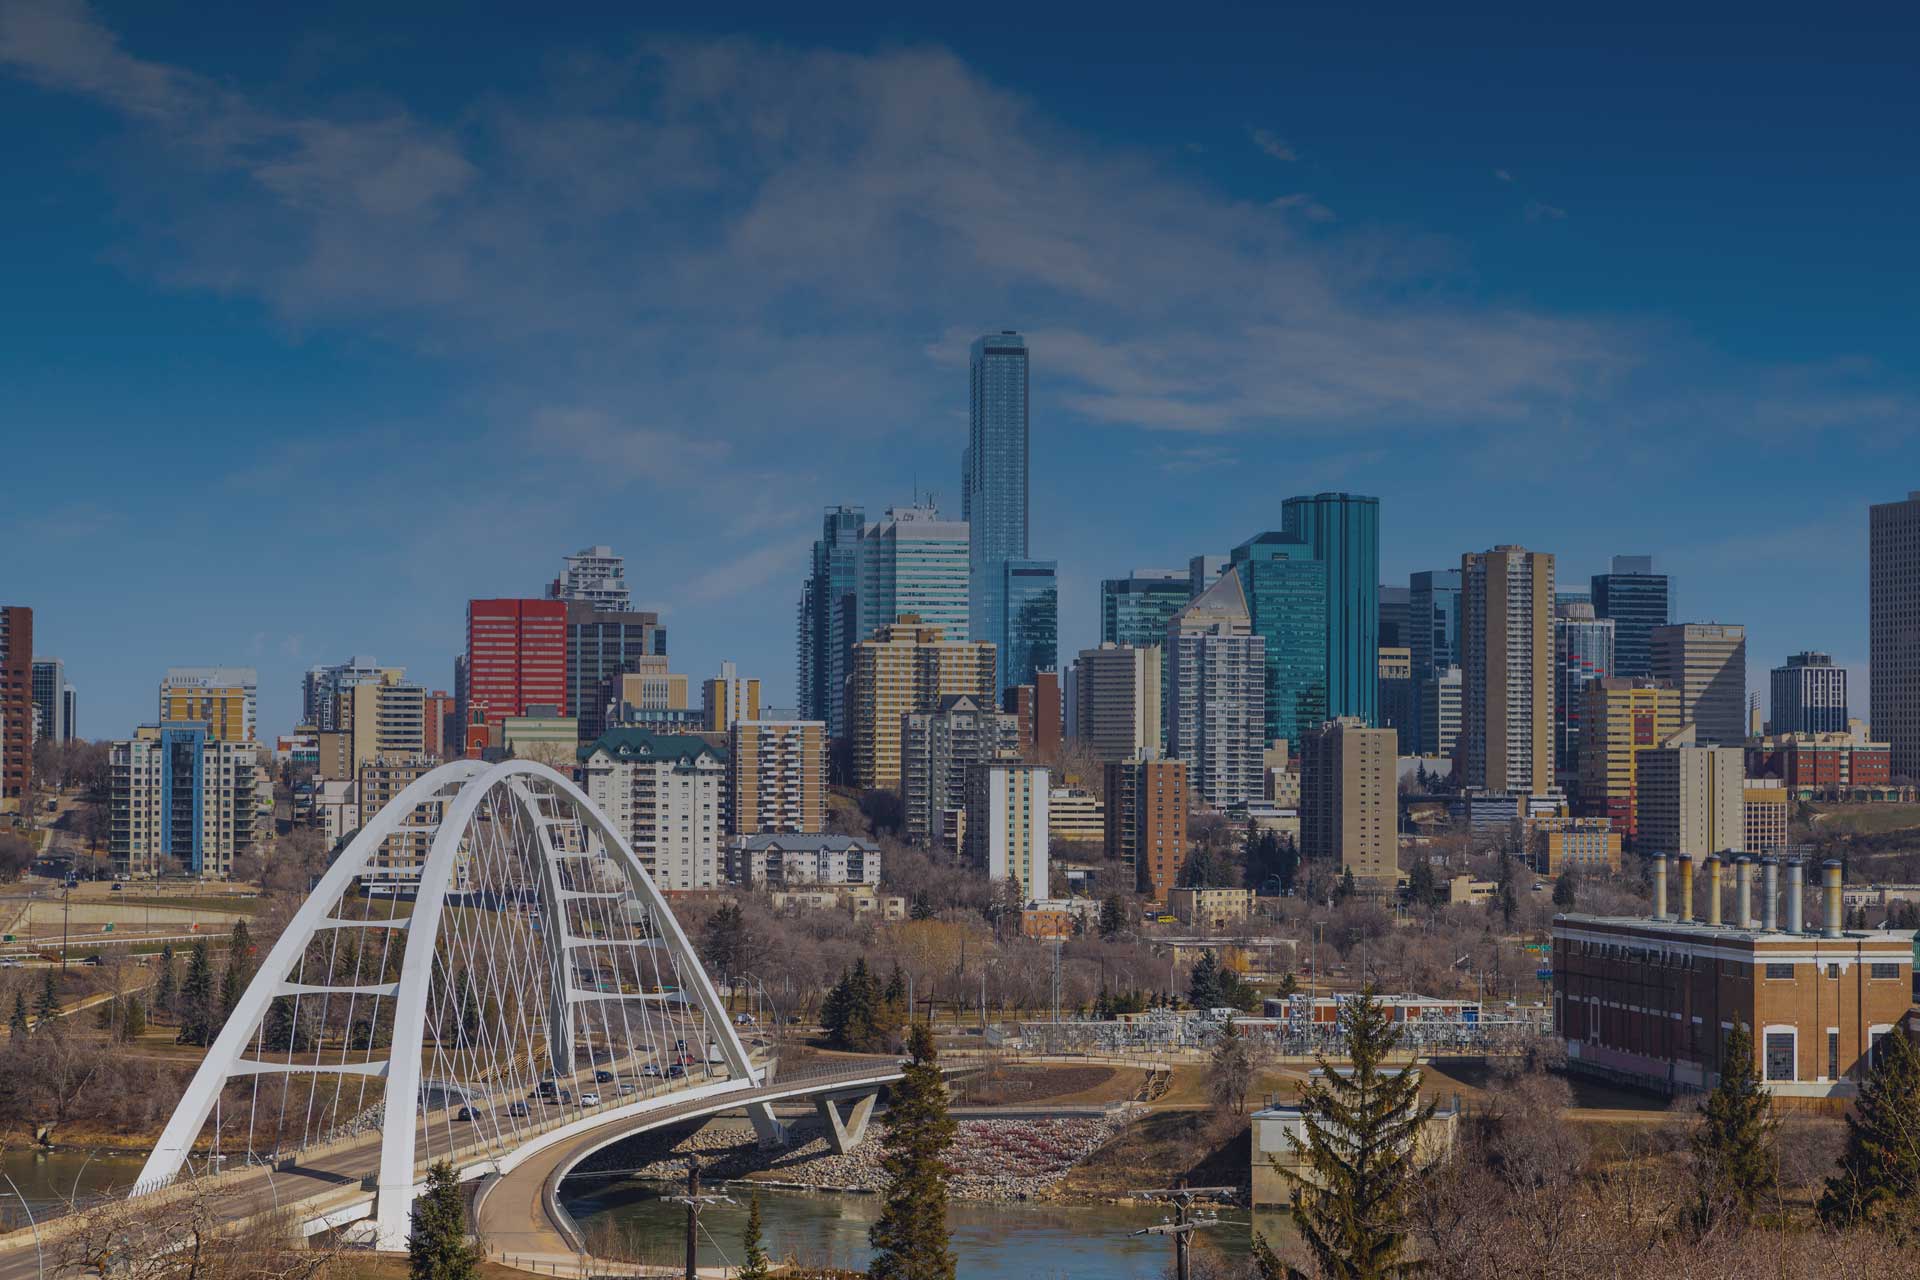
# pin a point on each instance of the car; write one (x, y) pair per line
(742, 1019)
(649, 1072)
(676, 1072)
(628, 1088)
(518, 1110)
(603, 1077)
(566, 1096)
(466, 1113)
(589, 1099)
(681, 1045)
(117, 886)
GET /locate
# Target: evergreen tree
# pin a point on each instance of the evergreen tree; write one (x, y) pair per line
(439, 1249)
(46, 1005)
(1506, 898)
(723, 944)
(896, 992)
(134, 1024)
(1420, 885)
(1567, 889)
(196, 1000)
(1733, 1151)
(17, 1025)
(1346, 888)
(1361, 1130)
(468, 1030)
(1289, 985)
(833, 1011)
(166, 988)
(921, 907)
(1203, 988)
(233, 983)
(281, 1032)
(910, 1237)
(754, 1264)
(1111, 918)
(1880, 1167)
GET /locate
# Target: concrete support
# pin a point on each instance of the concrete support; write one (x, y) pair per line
(845, 1134)
(767, 1127)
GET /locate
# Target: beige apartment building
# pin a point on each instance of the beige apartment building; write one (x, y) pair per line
(777, 777)
(1349, 800)
(1693, 801)
(1707, 663)
(1506, 660)
(901, 669)
(1624, 718)
(222, 698)
(381, 718)
(1116, 700)
(1007, 824)
(1767, 811)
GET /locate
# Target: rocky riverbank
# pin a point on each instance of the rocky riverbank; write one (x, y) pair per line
(1023, 1158)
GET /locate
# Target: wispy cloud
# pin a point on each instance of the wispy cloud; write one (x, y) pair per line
(1303, 203)
(1541, 211)
(1274, 145)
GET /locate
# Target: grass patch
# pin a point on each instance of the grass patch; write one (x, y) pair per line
(1866, 819)
(235, 905)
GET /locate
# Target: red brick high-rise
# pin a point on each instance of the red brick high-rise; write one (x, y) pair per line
(1038, 707)
(516, 656)
(16, 704)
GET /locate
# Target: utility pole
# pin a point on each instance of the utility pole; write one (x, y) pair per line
(695, 1202)
(1183, 1223)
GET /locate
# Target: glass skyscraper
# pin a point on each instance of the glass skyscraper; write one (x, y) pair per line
(827, 615)
(1135, 610)
(1286, 594)
(1032, 594)
(1637, 600)
(994, 484)
(913, 562)
(1583, 651)
(1342, 531)
(1433, 644)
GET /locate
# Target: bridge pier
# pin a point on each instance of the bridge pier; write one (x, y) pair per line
(769, 1128)
(844, 1133)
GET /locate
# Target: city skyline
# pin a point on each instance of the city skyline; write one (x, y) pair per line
(1470, 345)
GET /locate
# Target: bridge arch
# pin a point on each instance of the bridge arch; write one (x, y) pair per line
(485, 957)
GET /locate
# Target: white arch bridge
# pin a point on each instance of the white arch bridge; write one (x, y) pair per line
(486, 971)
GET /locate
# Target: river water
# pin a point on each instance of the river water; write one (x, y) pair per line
(991, 1241)
(48, 1179)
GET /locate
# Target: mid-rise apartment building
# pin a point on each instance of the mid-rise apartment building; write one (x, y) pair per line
(1624, 717)
(1707, 663)
(777, 777)
(184, 801)
(1217, 683)
(321, 687)
(1007, 824)
(776, 861)
(938, 748)
(1146, 821)
(1037, 706)
(666, 796)
(1822, 766)
(1692, 800)
(383, 718)
(1506, 660)
(396, 865)
(223, 698)
(901, 669)
(1349, 801)
(16, 706)
(1767, 814)
(728, 697)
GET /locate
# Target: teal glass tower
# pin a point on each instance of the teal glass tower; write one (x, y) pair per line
(1286, 590)
(1031, 589)
(1135, 610)
(994, 484)
(1342, 531)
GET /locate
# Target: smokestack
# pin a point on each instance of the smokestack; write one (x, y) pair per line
(1770, 916)
(1713, 888)
(1659, 886)
(1683, 911)
(1830, 919)
(1796, 896)
(1743, 891)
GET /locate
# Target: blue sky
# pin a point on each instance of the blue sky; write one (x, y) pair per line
(323, 319)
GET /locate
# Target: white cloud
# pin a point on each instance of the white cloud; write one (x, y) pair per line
(1277, 147)
(1541, 211)
(1305, 204)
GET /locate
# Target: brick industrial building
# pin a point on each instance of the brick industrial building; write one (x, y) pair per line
(1649, 1001)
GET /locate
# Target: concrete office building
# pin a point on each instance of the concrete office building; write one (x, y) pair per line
(1439, 697)
(1396, 611)
(939, 747)
(594, 576)
(1707, 663)
(1692, 800)
(903, 668)
(182, 798)
(666, 795)
(49, 699)
(1216, 695)
(16, 706)
(829, 614)
(1433, 648)
(1649, 1001)
(1893, 624)
(777, 777)
(321, 687)
(1114, 700)
(1638, 602)
(913, 562)
(729, 697)
(1076, 816)
(1146, 821)
(1349, 801)
(1767, 809)
(385, 718)
(1506, 643)
(1135, 610)
(602, 645)
(225, 699)
(1582, 653)
(1007, 824)
(1396, 692)
(1809, 695)
(1624, 719)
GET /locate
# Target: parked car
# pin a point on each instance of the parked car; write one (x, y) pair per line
(117, 886)
(649, 1071)
(566, 1096)
(589, 1099)
(628, 1088)
(742, 1019)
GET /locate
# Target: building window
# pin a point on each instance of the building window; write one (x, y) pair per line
(1780, 1045)
(1833, 1055)
(1833, 971)
(1776, 969)
(1883, 969)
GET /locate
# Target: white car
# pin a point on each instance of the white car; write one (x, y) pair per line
(589, 1099)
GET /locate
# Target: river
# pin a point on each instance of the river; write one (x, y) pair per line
(48, 1179)
(992, 1241)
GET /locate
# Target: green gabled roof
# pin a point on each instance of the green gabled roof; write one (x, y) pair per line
(644, 744)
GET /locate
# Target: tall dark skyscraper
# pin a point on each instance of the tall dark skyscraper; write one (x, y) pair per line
(1433, 644)
(1342, 531)
(1637, 600)
(995, 472)
(827, 614)
(1394, 605)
